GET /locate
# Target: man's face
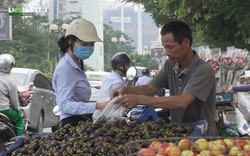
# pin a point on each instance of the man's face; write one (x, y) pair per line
(121, 67)
(128, 66)
(175, 51)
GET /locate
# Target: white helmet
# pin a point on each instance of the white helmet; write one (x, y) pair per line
(7, 61)
(83, 30)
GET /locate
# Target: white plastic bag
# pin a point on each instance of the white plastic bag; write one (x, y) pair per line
(242, 124)
(112, 110)
(244, 105)
(98, 112)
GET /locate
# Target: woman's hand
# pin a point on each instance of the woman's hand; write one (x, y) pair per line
(101, 105)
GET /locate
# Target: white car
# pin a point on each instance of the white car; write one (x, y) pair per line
(39, 111)
(95, 79)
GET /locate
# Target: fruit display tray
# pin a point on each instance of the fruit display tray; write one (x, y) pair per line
(133, 147)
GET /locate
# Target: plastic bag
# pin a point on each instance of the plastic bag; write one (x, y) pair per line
(242, 124)
(244, 106)
(111, 111)
(230, 131)
(200, 128)
(98, 112)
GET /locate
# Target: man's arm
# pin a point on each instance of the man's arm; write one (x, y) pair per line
(170, 102)
(148, 90)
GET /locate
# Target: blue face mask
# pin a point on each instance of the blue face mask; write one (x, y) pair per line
(83, 52)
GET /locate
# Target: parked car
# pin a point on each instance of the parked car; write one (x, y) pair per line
(95, 79)
(43, 99)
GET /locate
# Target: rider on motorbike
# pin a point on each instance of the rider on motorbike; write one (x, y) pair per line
(144, 79)
(9, 104)
(120, 63)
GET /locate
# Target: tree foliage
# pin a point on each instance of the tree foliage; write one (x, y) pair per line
(29, 44)
(145, 61)
(34, 46)
(111, 49)
(219, 23)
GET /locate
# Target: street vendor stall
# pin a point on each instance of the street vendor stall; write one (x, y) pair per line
(228, 67)
(115, 135)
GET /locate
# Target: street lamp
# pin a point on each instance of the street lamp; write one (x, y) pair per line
(55, 29)
(58, 29)
(148, 50)
(122, 40)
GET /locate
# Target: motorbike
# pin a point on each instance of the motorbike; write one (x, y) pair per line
(6, 129)
(6, 126)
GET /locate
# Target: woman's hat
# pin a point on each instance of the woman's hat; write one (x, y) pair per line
(83, 30)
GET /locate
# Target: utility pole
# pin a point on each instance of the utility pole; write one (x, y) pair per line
(93, 11)
(122, 19)
(139, 28)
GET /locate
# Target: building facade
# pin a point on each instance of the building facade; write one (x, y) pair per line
(64, 9)
(132, 20)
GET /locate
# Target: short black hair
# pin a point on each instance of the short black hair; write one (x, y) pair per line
(179, 29)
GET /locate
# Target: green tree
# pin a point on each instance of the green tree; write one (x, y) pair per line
(5, 4)
(34, 46)
(218, 23)
(111, 48)
(29, 42)
(145, 61)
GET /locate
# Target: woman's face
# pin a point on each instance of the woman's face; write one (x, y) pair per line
(83, 44)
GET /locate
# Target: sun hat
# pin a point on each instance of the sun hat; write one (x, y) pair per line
(83, 30)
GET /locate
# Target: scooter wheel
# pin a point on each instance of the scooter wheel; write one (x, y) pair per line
(6, 133)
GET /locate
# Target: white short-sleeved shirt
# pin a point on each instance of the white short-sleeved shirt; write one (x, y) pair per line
(143, 80)
(113, 81)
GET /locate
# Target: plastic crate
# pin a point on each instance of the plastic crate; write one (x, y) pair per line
(225, 102)
(133, 147)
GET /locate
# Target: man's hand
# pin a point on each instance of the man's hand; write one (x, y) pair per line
(229, 90)
(129, 100)
(117, 92)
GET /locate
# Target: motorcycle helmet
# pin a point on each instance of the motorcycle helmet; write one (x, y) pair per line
(120, 58)
(7, 61)
(83, 30)
(145, 72)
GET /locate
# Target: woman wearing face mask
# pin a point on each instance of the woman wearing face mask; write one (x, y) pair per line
(69, 80)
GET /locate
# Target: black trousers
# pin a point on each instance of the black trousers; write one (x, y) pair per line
(74, 119)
